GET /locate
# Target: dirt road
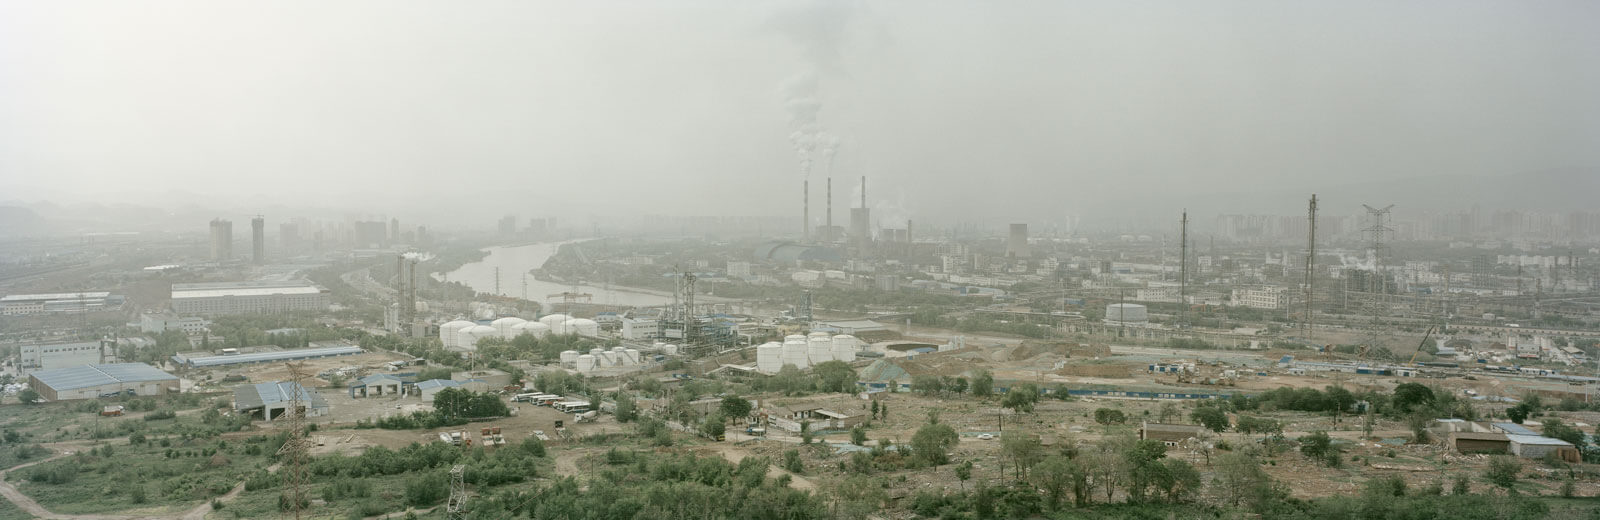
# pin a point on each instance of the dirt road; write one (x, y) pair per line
(735, 454)
(32, 507)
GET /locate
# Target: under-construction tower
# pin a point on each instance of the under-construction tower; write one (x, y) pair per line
(1183, 259)
(406, 291)
(1306, 325)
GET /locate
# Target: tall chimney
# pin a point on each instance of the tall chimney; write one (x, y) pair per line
(863, 191)
(805, 198)
(908, 231)
(828, 235)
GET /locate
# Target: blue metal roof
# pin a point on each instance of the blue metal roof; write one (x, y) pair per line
(1514, 429)
(262, 357)
(246, 397)
(95, 375)
(438, 383)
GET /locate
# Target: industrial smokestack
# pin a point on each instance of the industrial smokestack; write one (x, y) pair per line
(863, 191)
(828, 236)
(805, 200)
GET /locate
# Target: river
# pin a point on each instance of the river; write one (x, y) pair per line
(515, 262)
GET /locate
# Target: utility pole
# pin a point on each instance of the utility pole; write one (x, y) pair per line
(1183, 264)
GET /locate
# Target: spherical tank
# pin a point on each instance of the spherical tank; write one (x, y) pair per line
(583, 327)
(507, 326)
(794, 352)
(769, 357)
(553, 319)
(819, 349)
(568, 357)
(844, 348)
(585, 364)
(447, 332)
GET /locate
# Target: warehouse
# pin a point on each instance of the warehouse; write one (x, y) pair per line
(25, 304)
(272, 400)
(65, 355)
(191, 361)
(215, 299)
(92, 381)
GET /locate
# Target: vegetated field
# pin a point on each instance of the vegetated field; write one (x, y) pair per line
(147, 478)
(10, 511)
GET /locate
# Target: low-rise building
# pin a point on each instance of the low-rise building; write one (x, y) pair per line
(1269, 298)
(1537, 447)
(25, 304)
(1475, 442)
(217, 299)
(93, 381)
(1170, 434)
(376, 385)
(272, 400)
(157, 323)
(49, 356)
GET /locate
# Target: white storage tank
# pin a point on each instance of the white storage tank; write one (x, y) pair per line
(819, 348)
(1127, 313)
(553, 319)
(585, 364)
(538, 330)
(507, 326)
(448, 331)
(608, 359)
(633, 356)
(562, 328)
(583, 327)
(568, 357)
(844, 348)
(794, 352)
(769, 357)
(469, 337)
(669, 349)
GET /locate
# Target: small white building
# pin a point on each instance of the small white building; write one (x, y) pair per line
(640, 328)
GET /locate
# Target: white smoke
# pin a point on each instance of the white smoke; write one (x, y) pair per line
(818, 30)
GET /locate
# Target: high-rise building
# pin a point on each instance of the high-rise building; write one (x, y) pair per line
(258, 240)
(394, 231)
(508, 225)
(221, 240)
(1017, 243)
(288, 237)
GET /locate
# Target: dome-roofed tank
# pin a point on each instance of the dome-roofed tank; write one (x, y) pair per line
(552, 319)
(583, 327)
(447, 332)
(469, 337)
(794, 352)
(538, 330)
(507, 326)
(819, 348)
(563, 328)
(568, 357)
(769, 357)
(844, 348)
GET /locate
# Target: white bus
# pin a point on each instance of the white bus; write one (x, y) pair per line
(528, 397)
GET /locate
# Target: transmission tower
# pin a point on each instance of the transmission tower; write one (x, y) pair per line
(295, 447)
(406, 277)
(1311, 267)
(454, 509)
(1183, 260)
(1377, 234)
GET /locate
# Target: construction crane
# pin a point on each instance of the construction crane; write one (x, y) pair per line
(1425, 336)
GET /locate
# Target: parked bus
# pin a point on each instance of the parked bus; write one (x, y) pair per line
(520, 398)
(572, 406)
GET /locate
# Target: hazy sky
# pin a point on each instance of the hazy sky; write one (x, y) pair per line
(1002, 110)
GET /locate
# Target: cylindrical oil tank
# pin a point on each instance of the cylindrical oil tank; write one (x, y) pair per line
(669, 349)
(819, 349)
(844, 348)
(585, 364)
(608, 359)
(794, 352)
(583, 327)
(1127, 313)
(507, 326)
(538, 330)
(769, 357)
(448, 331)
(632, 355)
(568, 357)
(552, 319)
(562, 328)
(469, 337)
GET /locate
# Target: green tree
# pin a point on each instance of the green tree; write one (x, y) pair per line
(1503, 470)
(932, 442)
(1023, 448)
(735, 406)
(1213, 418)
(1057, 476)
(28, 396)
(1318, 446)
(714, 426)
(835, 376)
(964, 473)
(982, 383)
(627, 408)
(1167, 412)
(1519, 413)
(1408, 395)
(1109, 416)
(858, 436)
(958, 385)
(1555, 429)
(927, 385)
(1462, 485)
(1181, 480)
(1021, 398)
(874, 409)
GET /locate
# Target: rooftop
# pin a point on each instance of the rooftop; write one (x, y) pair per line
(52, 296)
(258, 357)
(95, 375)
(1536, 440)
(1476, 436)
(1174, 428)
(213, 290)
(1514, 428)
(247, 397)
